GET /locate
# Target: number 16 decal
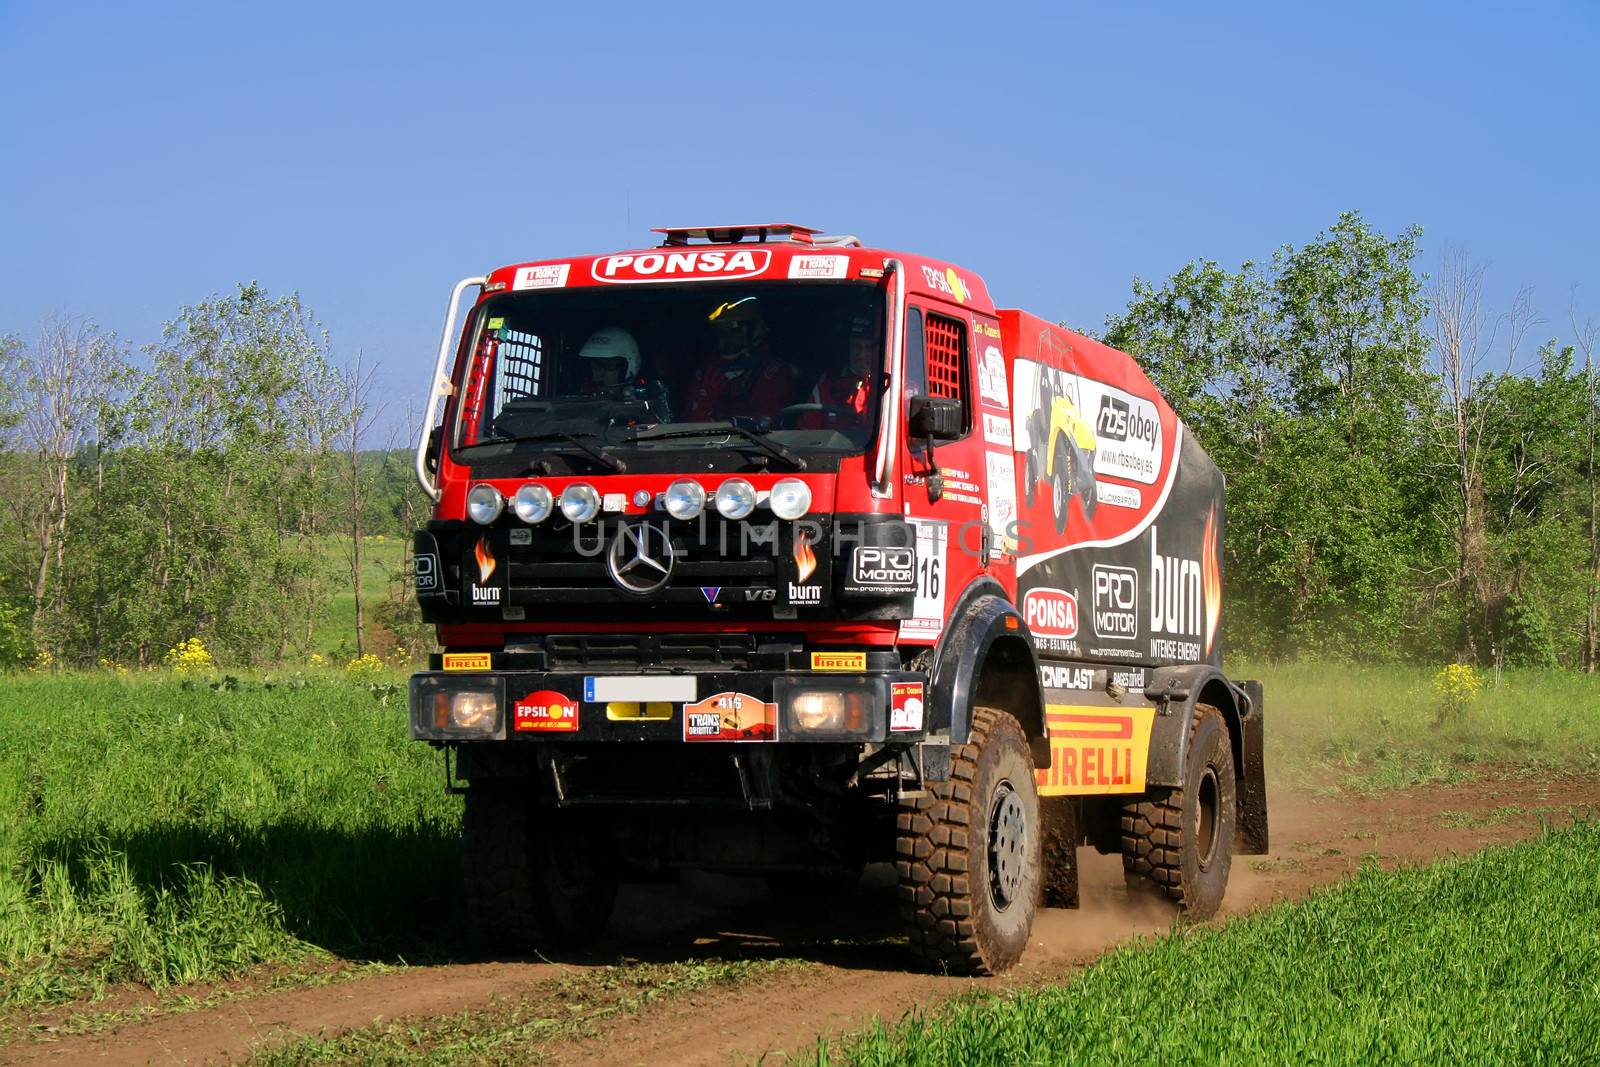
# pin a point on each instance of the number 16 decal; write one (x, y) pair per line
(933, 541)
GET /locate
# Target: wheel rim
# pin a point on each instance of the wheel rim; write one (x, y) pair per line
(1008, 834)
(1207, 823)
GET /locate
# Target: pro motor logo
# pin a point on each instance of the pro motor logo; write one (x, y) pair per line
(1116, 603)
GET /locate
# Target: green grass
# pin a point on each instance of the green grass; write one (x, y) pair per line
(162, 832)
(333, 631)
(1490, 959)
(515, 1030)
(1367, 729)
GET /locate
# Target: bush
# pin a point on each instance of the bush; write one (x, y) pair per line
(189, 657)
(16, 644)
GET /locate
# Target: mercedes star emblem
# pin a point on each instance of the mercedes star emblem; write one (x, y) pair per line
(640, 558)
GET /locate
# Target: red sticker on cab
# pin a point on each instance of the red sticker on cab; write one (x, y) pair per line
(545, 712)
(905, 707)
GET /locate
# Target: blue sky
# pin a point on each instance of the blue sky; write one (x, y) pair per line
(369, 155)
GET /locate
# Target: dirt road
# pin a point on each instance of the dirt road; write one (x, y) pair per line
(851, 970)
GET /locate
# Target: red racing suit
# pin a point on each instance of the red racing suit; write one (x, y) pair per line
(722, 389)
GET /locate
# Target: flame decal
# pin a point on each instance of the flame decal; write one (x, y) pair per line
(1211, 578)
(485, 558)
(804, 558)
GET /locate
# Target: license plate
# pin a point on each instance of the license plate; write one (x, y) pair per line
(678, 688)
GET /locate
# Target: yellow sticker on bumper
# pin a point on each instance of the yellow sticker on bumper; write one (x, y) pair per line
(1096, 750)
(838, 661)
(467, 661)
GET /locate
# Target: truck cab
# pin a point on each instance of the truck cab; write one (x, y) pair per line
(729, 571)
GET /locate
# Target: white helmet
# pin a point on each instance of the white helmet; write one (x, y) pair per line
(613, 342)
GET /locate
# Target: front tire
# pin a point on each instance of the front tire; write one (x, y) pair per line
(1179, 842)
(533, 882)
(968, 854)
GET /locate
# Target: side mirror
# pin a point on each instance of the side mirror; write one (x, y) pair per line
(936, 418)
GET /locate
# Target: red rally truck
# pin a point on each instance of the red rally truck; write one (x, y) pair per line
(764, 552)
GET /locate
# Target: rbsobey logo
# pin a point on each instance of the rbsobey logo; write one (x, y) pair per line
(644, 267)
(1051, 612)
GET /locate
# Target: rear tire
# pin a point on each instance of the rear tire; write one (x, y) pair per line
(968, 854)
(533, 878)
(1179, 842)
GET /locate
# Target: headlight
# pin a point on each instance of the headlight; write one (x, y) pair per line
(685, 499)
(484, 504)
(736, 498)
(791, 498)
(842, 709)
(580, 502)
(472, 711)
(450, 709)
(829, 712)
(532, 503)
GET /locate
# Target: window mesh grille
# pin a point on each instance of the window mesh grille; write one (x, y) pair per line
(946, 339)
(521, 366)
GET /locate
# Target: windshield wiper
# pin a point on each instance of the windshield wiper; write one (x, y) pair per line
(599, 455)
(717, 429)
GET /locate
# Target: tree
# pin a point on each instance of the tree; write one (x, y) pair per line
(1305, 379)
(1586, 338)
(359, 416)
(210, 488)
(67, 383)
(1463, 338)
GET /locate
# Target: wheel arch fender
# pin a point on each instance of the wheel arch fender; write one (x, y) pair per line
(1176, 691)
(986, 657)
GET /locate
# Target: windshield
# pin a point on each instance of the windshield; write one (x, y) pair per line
(787, 364)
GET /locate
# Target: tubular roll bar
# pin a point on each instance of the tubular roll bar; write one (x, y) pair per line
(440, 384)
(889, 421)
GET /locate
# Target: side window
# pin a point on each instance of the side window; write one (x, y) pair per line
(946, 361)
(916, 356)
(521, 366)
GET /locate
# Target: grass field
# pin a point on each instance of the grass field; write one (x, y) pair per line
(334, 632)
(159, 831)
(1490, 959)
(1372, 728)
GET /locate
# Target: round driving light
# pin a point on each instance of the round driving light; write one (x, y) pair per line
(580, 502)
(818, 710)
(791, 498)
(736, 498)
(532, 503)
(685, 499)
(473, 710)
(484, 504)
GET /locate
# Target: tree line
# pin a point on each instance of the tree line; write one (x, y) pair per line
(1411, 473)
(218, 487)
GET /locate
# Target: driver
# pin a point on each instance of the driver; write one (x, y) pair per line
(849, 387)
(613, 359)
(742, 377)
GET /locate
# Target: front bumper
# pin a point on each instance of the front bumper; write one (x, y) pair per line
(740, 707)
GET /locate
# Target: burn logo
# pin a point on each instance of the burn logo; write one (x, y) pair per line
(484, 594)
(805, 563)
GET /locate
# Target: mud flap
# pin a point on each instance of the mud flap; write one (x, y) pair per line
(1251, 837)
(1058, 868)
